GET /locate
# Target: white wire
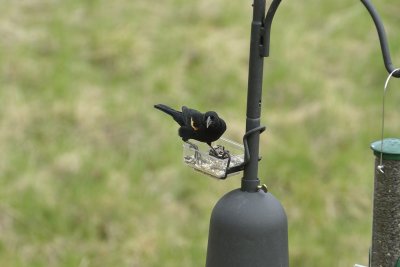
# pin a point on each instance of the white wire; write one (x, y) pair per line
(380, 166)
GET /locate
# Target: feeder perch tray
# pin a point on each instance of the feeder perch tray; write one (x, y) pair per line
(227, 158)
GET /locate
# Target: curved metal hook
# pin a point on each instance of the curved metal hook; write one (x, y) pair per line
(372, 11)
(267, 27)
(245, 143)
(382, 38)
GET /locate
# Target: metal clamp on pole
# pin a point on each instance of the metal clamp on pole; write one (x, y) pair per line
(259, 129)
(240, 167)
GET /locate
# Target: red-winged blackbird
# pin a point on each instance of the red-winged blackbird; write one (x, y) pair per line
(204, 127)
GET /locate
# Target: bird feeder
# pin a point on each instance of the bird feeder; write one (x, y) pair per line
(385, 250)
(227, 157)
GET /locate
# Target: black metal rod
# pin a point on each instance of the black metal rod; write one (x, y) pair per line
(372, 11)
(382, 38)
(267, 27)
(250, 179)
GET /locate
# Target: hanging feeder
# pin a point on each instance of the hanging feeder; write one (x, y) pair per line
(227, 158)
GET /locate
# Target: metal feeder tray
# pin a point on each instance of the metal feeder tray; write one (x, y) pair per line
(227, 158)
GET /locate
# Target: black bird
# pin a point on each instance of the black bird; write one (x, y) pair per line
(204, 127)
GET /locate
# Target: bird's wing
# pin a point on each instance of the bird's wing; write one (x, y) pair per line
(186, 133)
(187, 115)
(193, 118)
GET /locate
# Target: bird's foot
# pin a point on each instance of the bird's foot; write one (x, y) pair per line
(192, 145)
(197, 154)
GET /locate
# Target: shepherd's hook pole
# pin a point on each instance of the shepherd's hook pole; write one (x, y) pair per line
(248, 226)
(259, 47)
(250, 179)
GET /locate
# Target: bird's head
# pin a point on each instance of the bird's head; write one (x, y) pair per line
(215, 125)
(210, 118)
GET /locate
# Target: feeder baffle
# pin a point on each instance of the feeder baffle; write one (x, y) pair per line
(248, 229)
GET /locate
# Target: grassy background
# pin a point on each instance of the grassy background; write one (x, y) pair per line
(91, 174)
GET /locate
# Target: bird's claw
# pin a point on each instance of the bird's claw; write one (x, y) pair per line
(219, 152)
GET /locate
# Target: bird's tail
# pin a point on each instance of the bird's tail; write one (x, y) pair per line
(177, 115)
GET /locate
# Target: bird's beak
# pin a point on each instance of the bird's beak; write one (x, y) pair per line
(209, 121)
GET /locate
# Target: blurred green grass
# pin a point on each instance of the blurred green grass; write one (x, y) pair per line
(91, 174)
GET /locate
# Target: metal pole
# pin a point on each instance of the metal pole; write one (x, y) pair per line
(259, 48)
(385, 250)
(250, 179)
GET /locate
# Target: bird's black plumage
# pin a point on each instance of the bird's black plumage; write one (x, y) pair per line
(204, 127)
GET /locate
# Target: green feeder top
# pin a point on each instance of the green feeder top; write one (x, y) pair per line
(390, 149)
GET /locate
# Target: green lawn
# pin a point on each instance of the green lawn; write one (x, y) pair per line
(92, 175)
